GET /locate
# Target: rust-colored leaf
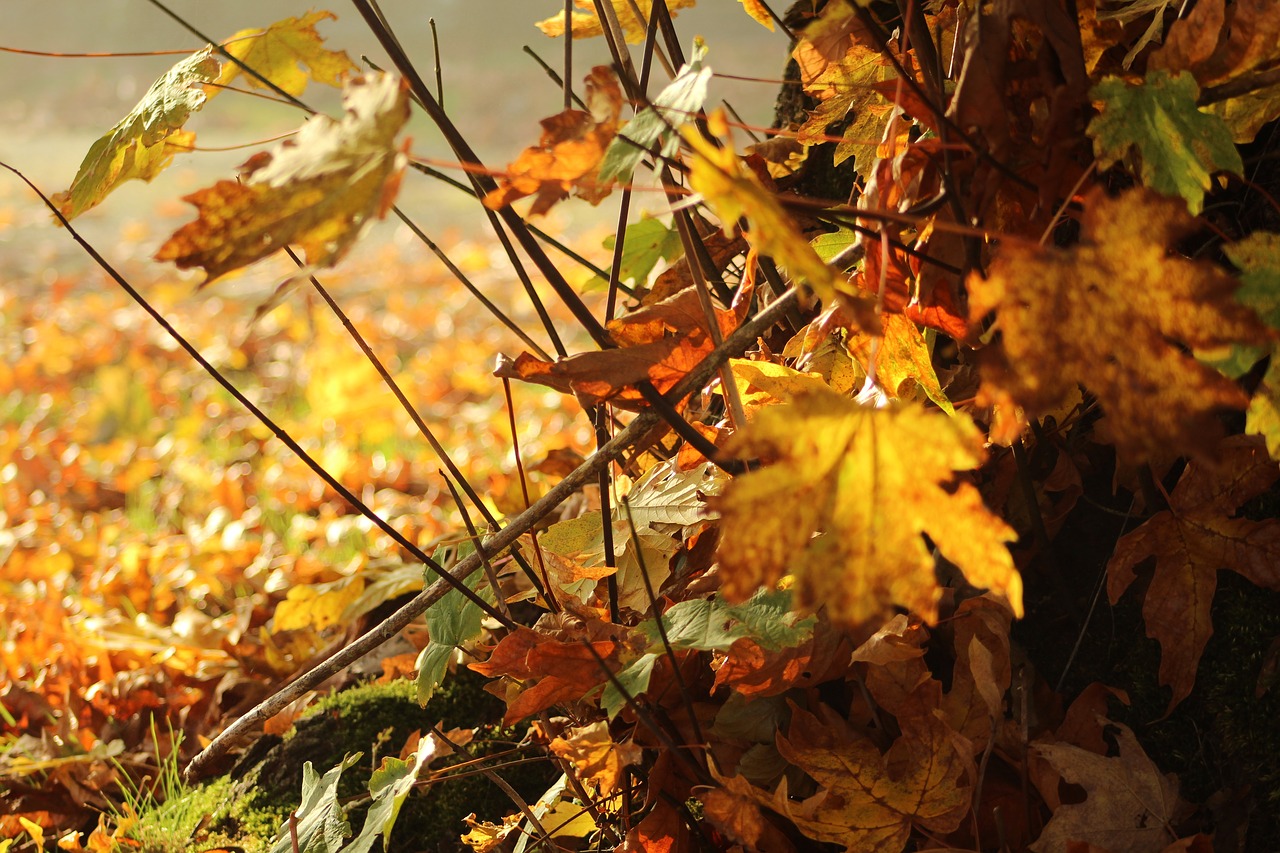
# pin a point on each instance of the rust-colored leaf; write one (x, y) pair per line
(660, 342)
(319, 190)
(1193, 540)
(568, 155)
(1115, 313)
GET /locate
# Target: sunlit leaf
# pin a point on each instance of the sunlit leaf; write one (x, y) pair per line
(321, 824)
(319, 190)
(676, 105)
(452, 622)
(143, 143)
(568, 155)
(595, 756)
(871, 483)
(586, 24)
(389, 786)
(289, 53)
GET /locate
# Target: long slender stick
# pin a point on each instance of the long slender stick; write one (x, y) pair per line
(276, 430)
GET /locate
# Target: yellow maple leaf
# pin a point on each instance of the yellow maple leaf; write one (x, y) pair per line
(281, 52)
(1117, 313)
(586, 24)
(318, 190)
(143, 143)
(867, 801)
(871, 483)
(759, 11)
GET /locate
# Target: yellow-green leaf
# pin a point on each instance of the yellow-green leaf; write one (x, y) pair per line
(1178, 145)
(143, 143)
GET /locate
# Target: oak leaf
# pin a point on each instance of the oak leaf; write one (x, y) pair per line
(1128, 804)
(282, 51)
(1191, 541)
(319, 190)
(1178, 145)
(587, 24)
(569, 152)
(872, 483)
(1114, 313)
(867, 801)
(144, 142)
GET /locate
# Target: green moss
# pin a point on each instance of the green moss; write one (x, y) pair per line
(376, 720)
(174, 824)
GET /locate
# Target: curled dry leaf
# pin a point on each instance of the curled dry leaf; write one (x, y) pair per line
(660, 342)
(568, 155)
(596, 757)
(319, 190)
(1117, 313)
(143, 143)
(872, 483)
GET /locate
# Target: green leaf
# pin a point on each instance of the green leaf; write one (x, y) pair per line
(452, 621)
(322, 826)
(647, 242)
(829, 245)
(714, 625)
(634, 678)
(143, 143)
(675, 105)
(1178, 145)
(389, 785)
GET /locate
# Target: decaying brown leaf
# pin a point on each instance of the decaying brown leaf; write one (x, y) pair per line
(1129, 805)
(1116, 313)
(1193, 540)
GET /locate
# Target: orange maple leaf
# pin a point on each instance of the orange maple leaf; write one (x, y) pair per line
(1191, 541)
(568, 155)
(660, 342)
(1117, 314)
(319, 190)
(586, 24)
